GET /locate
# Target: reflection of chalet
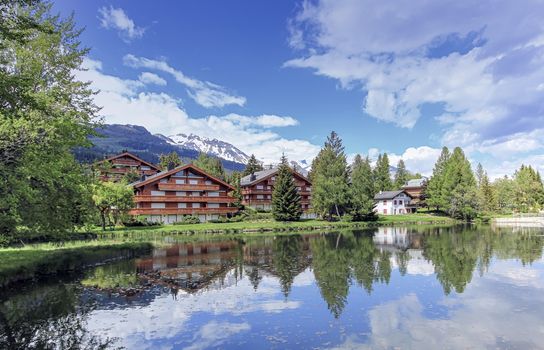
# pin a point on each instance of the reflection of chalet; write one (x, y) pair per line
(392, 237)
(186, 190)
(116, 167)
(257, 190)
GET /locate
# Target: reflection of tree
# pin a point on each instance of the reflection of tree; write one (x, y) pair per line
(331, 261)
(288, 260)
(121, 274)
(47, 317)
(254, 276)
(402, 258)
(363, 260)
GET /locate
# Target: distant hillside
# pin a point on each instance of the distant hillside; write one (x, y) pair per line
(114, 138)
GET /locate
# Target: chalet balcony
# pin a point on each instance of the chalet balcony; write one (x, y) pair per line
(187, 187)
(251, 191)
(182, 211)
(183, 199)
(258, 201)
(126, 162)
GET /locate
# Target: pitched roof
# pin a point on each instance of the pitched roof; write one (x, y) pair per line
(128, 154)
(415, 183)
(264, 174)
(389, 195)
(165, 173)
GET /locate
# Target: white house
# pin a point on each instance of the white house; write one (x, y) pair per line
(392, 202)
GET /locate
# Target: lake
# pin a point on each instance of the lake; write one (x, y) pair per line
(460, 287)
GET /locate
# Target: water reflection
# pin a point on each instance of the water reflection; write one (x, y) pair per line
(393, 286)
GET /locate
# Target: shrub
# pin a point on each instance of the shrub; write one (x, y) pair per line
(188, 220)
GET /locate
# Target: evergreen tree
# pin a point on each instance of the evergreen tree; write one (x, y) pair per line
(382, 176)
(401, 176)
(286, 201)
(434, 191)
(486, 196)
(528, 190)
(170, 160)
(505, 195)
(459, 187)
(210, 164)
(253, 165)
(330, 190)
(234, 180)
(362, 189)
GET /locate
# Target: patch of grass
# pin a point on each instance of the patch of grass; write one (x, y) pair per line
(33, 261)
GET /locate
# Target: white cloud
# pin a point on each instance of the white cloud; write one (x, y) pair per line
(213, 334)
(417, 159)
(477, 62)
(125, 101)
(151, 78)
(116, 18)
(204, 93)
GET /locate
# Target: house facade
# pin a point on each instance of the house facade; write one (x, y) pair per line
(257, 190)
(393, 203)
(171, 195)
(116, 167)
(416, 189)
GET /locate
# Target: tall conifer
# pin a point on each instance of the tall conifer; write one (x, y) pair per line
(434, 192)
(362, 188)
(401, 176)
(382, 176)
(286, 204)
(253, 165)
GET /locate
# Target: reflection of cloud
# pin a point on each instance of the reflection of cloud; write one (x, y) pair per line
(165, 319)
(417, 265)
(305, 278)
(504, 310)
(214, 334)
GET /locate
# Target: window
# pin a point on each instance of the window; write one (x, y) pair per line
(193, 182)
(179, 174)
(182, 205)
(195, 194)
(213, 194)
(158, 205)
(208, 182)
(394, 202)
(157, 193)
(384, 202)
(400, 202)
(260, 196)
(259, 187)
(145, 167)
(213, 205)
(180, 182)
(181, 194)
(163, 181)
(196, 205)
(385, 211)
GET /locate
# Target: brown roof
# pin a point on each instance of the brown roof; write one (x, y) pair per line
(266, 174)
(128, 154)
(162, 174)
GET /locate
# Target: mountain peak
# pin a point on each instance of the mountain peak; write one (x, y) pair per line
(206, 145)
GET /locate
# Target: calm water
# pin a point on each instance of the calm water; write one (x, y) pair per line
(427, 288)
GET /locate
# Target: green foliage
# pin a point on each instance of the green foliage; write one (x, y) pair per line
(382, 176)
(170, 160)
(111, 199)
(132, 176)
(44, 113)
(401, 176)
(188, 220)
(253, 165)
(234, 180)
(504, 190)
(434, 193)
(528, 190)
(211, 165)
(330, 190)
(286, 204)
(487, 200)
(361, 189)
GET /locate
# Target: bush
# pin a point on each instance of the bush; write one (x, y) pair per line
(140, 222)
(188, 220)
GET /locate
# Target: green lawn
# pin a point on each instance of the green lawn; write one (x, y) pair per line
(271, 225)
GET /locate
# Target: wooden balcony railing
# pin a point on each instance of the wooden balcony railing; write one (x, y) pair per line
(125, 162)
(183, 199)
(251, 191)
(187, 187)
(182, 211)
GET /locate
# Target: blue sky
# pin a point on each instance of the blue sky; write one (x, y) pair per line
(272, 77)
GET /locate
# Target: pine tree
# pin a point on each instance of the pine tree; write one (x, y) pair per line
(234, 180)
(382, 176)
(434, 191)
(459, 187)
(528, 190)
(486, 196)
(170, 160)
(401, 176)
(253, 165)
(286, 201)
(330, 190)
(362, 189)
(211, 165)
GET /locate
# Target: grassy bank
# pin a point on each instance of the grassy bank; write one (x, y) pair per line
(33, 261)
(271, 225)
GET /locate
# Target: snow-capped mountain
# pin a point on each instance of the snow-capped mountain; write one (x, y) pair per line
(212, 147)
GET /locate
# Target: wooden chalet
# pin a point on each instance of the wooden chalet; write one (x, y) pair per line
(116, 167)
(257, 190)
(170, 195)
(416, 189)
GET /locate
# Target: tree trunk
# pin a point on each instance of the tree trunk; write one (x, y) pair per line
(337, 211)
(103, 220)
